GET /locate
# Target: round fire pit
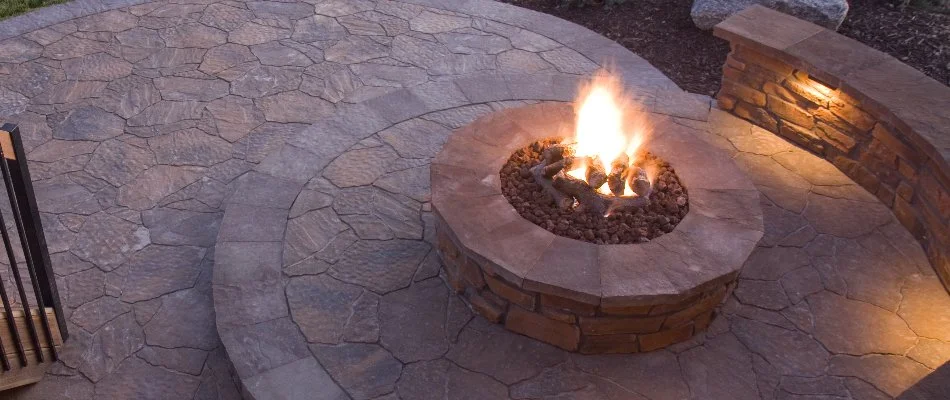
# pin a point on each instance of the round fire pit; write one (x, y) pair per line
(578, 295)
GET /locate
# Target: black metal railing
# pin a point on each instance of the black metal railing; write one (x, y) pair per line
(38, 278)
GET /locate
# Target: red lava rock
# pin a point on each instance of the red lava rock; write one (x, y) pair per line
(669, 203)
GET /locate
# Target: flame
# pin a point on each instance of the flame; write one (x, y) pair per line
(609, 124)
(580, 171)
(652, 171)
(627, 191)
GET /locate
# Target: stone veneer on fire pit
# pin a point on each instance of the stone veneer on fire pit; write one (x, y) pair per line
(581, 296)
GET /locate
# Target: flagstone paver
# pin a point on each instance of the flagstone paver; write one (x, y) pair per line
(145, 122)
(812, 314)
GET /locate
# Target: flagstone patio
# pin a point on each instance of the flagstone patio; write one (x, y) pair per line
(236, 193)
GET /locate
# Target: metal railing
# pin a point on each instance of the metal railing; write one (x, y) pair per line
(39, 277)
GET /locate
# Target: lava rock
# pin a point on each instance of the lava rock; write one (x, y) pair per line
(669, 203)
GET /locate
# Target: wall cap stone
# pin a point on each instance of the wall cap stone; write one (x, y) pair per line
(904, 96)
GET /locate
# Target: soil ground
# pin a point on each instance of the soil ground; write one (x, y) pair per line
(662, 32)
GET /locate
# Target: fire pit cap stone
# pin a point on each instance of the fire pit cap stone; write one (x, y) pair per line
(707, 248)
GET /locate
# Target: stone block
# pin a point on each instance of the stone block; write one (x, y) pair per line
(448, 251)
(829, 118)
(774, 89)
(763, 28)
(886, 195)
(659, 340)
(803, 136)
(878, 152)
(938, 240)
(790, 112)
(663, 309)
(884, 171)
(806, 91)
(834, 137)
(494, 298)
(750, 56)
(620, 343)
(707, 303)
(933, 223)
(575, 307)
(511, 293)
(725, 101)
(558, 315)
(940, 259)
(471, 272)
(733, 62)
(832, 56)
(854, 115)
(703, 320)
(565, 336)
(841, 96)
(625, 310)
(763, 74)
(756, 115)
(487, 309)
(935, 194)
(609, 326)
(887, 137)
(857, 172)
(747, 78)
(908, 217)
(905, 190)
(743, 92)
(452, 278)
(907, 170)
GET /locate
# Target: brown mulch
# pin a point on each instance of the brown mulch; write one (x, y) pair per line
(918, 38)
(669, 203)
(662, 32)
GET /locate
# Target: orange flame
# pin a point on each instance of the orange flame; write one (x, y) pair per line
(609, 123)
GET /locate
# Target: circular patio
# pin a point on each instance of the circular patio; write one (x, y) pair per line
(305, 131)
(336, 278)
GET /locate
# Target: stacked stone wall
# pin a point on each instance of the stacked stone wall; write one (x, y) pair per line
(863, 133)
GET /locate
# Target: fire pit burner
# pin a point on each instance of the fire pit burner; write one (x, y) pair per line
(535, 183)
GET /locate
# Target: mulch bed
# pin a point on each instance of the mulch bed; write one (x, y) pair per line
(662, 32)
(669, 203)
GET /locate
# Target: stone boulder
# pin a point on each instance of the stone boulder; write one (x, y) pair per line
(826, 13)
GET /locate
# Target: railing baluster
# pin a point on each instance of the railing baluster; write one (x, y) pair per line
(14, 334)
(23, 299)
(28, 257)
(36, 238)
(26, 219)
(3, 357)
(7, 308)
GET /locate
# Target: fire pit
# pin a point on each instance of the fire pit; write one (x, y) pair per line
(605, 230)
